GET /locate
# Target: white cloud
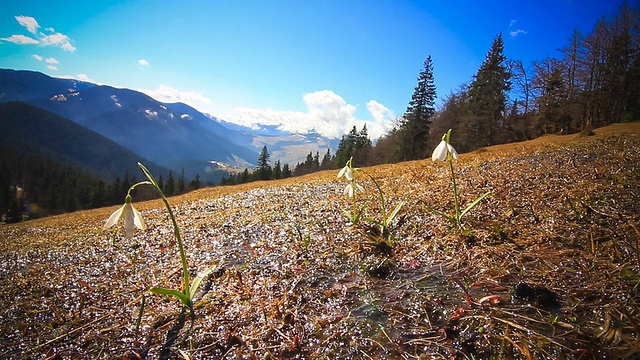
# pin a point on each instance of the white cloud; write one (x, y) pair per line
(21, 39)
(167, 94)
(84, 77)
(55, 39)
(81, 77)
(30, 23)
(58, 39)
(517, 32)
(327, 113)
(143, 62)
(51, 67)
(382, 117)
(37, 57)
(52, 61)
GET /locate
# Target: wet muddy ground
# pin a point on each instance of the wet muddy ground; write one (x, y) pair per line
(547, 266)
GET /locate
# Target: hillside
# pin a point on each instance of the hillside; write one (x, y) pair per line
(548, 266)
(33, 131)
(173, 135)
(135, 121)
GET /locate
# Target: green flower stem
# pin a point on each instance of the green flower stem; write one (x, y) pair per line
(383, 207)
(455, 191)
(176, 231)
(355, 206)
(138, 184)
(183, 257)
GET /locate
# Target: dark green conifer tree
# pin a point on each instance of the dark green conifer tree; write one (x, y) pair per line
(415, 124)
(181, 184)
(487, 99)
(326, 161)
(263, 170)
(277, 170)
(170, 186)
(286, 171)
(195, 183)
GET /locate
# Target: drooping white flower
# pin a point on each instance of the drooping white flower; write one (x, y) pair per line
(442, 151)
(132, 218)
(347, 172)
(351, 188)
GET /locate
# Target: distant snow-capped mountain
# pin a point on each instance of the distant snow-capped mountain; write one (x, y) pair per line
(173, 135)
(289, 148)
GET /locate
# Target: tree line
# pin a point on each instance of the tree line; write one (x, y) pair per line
(595, 82)
(356, 144)
(33, 186)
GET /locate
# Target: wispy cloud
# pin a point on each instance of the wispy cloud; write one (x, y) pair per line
(84, 77)
(20, 39)
(514, 33)
(30, 23)
(37, 57)
(382, 116)
(52, 61)
(143, 62)
(168, 94)
(51, 67)
(327, 114)
(58, 39)
(517, 32)
(32, 26)
(81, 77)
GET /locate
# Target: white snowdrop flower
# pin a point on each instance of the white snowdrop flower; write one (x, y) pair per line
(347, 172)
(132, 218)
(351, 188)
(441, 152)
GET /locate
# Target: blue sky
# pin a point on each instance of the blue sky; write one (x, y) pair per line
(302, 65)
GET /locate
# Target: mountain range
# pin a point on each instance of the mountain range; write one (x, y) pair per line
(33, 131)
(171, 135)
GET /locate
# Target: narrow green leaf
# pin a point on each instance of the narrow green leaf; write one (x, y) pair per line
(473, 204)
(438, 212)
(373, 221)
(362, 209)
(178, 294)
(198, 279)
(394, 212)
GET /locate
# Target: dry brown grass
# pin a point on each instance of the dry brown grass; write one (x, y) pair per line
(557, 244)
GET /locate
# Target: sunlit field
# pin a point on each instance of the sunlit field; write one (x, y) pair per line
(546, 266)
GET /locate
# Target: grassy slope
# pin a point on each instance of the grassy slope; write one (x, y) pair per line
(563, 215)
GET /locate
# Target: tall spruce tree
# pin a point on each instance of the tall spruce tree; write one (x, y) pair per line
(286, 171)
(488, 98)
(326, 161)
(264, 167)
(356, 145)
(170, 185)
(416, 122)
(362, 148)
(277, 170)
